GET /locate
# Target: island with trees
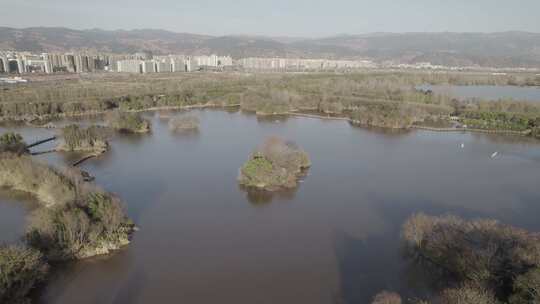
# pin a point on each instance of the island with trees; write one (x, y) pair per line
(276, 164)
(75, 220)
(92, 139)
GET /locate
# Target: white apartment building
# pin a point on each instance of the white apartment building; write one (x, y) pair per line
(129, 66)
(148, 66)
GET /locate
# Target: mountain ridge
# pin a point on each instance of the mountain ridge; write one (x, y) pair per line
(497, 49)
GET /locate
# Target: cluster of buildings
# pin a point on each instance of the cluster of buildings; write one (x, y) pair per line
(25, 62)
(172, 63)
(144, 62)
(291, 64)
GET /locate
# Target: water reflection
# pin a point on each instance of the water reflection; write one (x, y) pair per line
(259, 197)
(272, 119)
(14, 206)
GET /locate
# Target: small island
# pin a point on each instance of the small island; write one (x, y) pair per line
(91, 139)
(128, 122)
(275, 165)
(184, 123)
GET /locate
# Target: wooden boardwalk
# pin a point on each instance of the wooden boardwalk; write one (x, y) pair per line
(40, 142)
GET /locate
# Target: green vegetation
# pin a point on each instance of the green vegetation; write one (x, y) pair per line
(385, 99)
(11, 142)
(275, 165)
(492, 263)
(266, 101)
(184, 123)
(394, 115)
(91, 139)
(21, 269)
(128, 122)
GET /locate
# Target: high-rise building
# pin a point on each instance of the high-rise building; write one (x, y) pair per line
(178, 65)
(68, 60)
(129, 66)
(81, 63)
(164, 66)
(4, 66)
(148, 66)
(191, 64)
(21, 66)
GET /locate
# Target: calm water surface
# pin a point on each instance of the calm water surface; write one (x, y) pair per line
(334, 240)
(531, 94)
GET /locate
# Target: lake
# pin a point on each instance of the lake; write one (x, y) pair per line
(531, 94)
(335, 239)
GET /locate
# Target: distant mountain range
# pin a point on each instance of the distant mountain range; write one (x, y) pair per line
(505, 49)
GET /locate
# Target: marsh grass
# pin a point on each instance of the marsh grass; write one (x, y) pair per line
(91, 139)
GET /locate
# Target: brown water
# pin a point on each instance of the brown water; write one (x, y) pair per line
(334, 240)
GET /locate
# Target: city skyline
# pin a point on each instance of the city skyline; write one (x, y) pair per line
(278, 18)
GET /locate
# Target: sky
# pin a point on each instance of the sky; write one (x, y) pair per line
(293, 18)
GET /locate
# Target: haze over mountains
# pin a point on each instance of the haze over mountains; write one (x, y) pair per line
(505, 49)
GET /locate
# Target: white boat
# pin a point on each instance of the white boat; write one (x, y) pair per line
(494, 154)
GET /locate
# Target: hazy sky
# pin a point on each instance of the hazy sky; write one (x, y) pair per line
(277, 17)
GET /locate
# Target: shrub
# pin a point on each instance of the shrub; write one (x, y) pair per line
(94, 224)
(266, 102)
(483, 253)
(276, 164)
(128, 122)
(11, 142)
(80, 139)
(467, 295)
(386, 297)
(526, 288)
(184, 123)
(331, 107)
(21, 269)
(388, 115)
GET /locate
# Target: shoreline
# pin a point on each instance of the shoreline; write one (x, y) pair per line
(289, 113)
